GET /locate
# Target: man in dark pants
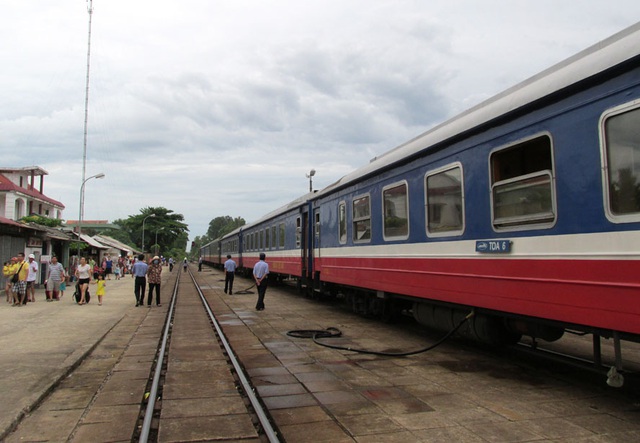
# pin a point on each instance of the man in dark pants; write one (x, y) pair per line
(229, 274)
(260, 275)
(139, 272)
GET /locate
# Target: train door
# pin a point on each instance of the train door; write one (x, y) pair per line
(314, 269)
(302, 240)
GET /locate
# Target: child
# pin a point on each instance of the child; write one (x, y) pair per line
(116, 271)
(63, 286)
(101, 285)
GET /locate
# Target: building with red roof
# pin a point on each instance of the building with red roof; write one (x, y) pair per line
(22, 194)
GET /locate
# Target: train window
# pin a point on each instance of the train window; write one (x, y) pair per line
(317, 216)
(361, 219)
(445, 202)
(342, 222)
(266, 238)
(395, 203)
(281, 229)
(522, 185)
(273, 237)
(298, 233)
(261, 233)
(621, 135)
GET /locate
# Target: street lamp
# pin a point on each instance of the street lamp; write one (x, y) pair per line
(309, 176)
(143, 220)
(158, 230)
(81, 213)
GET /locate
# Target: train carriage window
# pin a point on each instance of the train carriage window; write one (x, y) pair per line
(298, 232)
(281, 239)
(317, 223)
(621, 135)
(342, 222)
(395, 203)
(445, 202)
(261, 235)
(522, 185)
(266, 238)
(273, 237)
(361, 219)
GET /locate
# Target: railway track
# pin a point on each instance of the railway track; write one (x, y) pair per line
(196, 377)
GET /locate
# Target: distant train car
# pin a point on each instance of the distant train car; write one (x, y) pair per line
(231, 244)
(210, 253)
(281, 235)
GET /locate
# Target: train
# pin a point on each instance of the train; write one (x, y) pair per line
(524, 210)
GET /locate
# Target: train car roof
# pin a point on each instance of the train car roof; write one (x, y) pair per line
(613, 51)
(281, 210)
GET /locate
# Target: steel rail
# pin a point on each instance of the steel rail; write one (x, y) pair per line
(246, 385)
(153, 392)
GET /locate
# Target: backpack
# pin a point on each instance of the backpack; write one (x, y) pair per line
(77, 294)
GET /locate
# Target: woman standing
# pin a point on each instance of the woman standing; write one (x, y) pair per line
(83, 273)
(154, 272)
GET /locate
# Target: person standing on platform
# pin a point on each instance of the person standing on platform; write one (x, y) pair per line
(83, 274)
(154, 274)
(171, 264)
(108, 268)
(55, 275)
(229, 274)
(101, 288)
(20, 285)
(260, 275)
(9, 269)
(200, 264)
(139, 272)
(31, 278)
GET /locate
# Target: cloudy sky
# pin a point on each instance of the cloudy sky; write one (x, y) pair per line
(213, 108)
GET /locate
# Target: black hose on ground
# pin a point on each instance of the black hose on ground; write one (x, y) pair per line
(315, 334)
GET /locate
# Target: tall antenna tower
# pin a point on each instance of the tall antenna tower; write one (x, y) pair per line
(86, 105)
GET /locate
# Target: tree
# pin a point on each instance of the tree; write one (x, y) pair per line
(220, 226)
(165, 226)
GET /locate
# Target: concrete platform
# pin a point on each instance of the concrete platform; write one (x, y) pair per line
(457, 392)
(42, 342)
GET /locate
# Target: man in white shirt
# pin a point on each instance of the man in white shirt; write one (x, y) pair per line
(31, 278)
(260, 275)
(229, 274)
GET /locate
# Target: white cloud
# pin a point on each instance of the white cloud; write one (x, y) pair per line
(220, 108)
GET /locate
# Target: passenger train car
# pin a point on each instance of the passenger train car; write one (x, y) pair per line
(525, 208)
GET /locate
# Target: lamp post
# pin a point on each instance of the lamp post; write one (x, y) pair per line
(81, 213)
(158, 230)
(143, 220)
(309, 176)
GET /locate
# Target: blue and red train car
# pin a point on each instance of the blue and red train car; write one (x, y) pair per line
(525, 208)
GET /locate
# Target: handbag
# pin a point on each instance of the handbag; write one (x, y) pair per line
(16, 276)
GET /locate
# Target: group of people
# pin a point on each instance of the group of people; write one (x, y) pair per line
(147, 273)
(21, 278)
(87, 274)
(260, 276)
